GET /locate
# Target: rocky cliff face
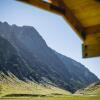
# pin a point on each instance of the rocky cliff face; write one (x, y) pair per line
(29, 57)
(10, 61)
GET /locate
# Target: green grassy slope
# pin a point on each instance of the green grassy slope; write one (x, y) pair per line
(93, 89)
(56, 98)
(12, 85)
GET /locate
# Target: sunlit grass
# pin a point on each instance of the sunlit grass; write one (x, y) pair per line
(57, 98)
(12, 85)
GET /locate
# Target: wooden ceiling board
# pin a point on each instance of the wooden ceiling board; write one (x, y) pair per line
(86, 11)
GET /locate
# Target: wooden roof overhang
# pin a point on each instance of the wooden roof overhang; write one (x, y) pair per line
(82, 15)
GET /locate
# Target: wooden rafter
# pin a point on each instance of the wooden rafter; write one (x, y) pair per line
(93, 29)
(44, 5)
(91, 50)
(73, 21)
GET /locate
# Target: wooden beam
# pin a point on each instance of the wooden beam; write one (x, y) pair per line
(92, 38)
(91, 46)
(54, 2)
(73, 21)
(45, 5)
(93, 29)
(91, 50)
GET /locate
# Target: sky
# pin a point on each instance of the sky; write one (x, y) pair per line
(53, 28)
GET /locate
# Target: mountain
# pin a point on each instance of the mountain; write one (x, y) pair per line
(33, 60)
(79, 75)
(10, 61)
(15, 75)
(93, 89)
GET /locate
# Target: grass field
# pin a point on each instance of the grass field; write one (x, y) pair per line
(55, 98)
(12, 88)
(12, 85)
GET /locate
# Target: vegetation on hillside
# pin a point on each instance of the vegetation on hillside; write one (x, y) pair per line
(93, 89)
(12, 85)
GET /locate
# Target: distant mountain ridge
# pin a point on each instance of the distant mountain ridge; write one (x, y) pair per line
(34, 60)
